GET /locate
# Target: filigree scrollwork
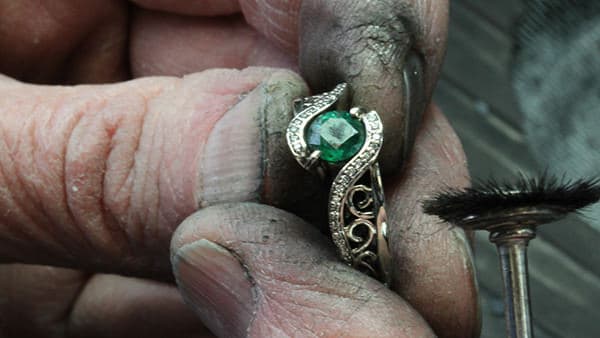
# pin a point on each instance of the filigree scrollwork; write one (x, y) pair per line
(363, 238)
(361, 232)
(367, 261)
(359, 207)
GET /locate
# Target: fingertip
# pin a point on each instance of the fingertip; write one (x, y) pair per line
(389, 52)
(299, 286)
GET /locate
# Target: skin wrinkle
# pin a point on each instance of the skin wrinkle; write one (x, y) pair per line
(27, 134)
(149, 234)
(388, 40)
(391, 31)
(155, 226)
(288, 321)
(282, 316)
(49, 131)
(148, 128)
(34, 213)
(172, 166)
(100, 204)
(6, 191)
(266, 327)
(71, 184)
(281, 28)
(363, 303)
(123, 184)
(303, 303)
(345, 319)
(112, 209)
(37, 134)
(80, 223)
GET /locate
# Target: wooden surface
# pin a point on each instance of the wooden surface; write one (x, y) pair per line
(476, 95)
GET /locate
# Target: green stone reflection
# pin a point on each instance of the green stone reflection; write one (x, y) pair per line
(337, 134)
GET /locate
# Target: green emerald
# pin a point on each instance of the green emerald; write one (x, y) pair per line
(337, 134)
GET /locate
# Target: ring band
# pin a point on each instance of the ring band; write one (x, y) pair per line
(341, 146)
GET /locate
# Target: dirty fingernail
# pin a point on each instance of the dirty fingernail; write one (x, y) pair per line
(216, 285)
(414, 99)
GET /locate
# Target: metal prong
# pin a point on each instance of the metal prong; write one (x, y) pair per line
(298, 103)
(312, 160)
(343, 100)
(384, 230)
(357, 112)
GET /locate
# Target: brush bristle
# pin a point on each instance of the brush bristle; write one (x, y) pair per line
(487, 199)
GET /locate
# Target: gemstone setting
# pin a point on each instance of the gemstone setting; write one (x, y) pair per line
(337, 135)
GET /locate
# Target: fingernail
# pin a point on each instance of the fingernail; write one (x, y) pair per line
(278, 163)
(216, 285)
(414, 99)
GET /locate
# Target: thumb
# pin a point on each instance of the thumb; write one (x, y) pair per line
(98, 177)
(253, 270)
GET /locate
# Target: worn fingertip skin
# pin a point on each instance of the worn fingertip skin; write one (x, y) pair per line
(298, 286)
(434, 263)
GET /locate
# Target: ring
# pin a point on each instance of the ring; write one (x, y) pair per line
(341, 145)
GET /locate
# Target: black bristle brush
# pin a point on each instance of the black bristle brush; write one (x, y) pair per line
(491, 201)
(511, 212)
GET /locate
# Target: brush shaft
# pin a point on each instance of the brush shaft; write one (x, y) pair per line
(513, 262)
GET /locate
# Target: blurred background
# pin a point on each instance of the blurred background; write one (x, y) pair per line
(521, 87)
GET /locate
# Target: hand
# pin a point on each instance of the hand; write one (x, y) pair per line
(97, 178)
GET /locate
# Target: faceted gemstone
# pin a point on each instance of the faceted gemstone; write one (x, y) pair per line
(337, 134)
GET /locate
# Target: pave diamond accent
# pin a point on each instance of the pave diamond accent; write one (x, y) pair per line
(312, 107)
(348, 176)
